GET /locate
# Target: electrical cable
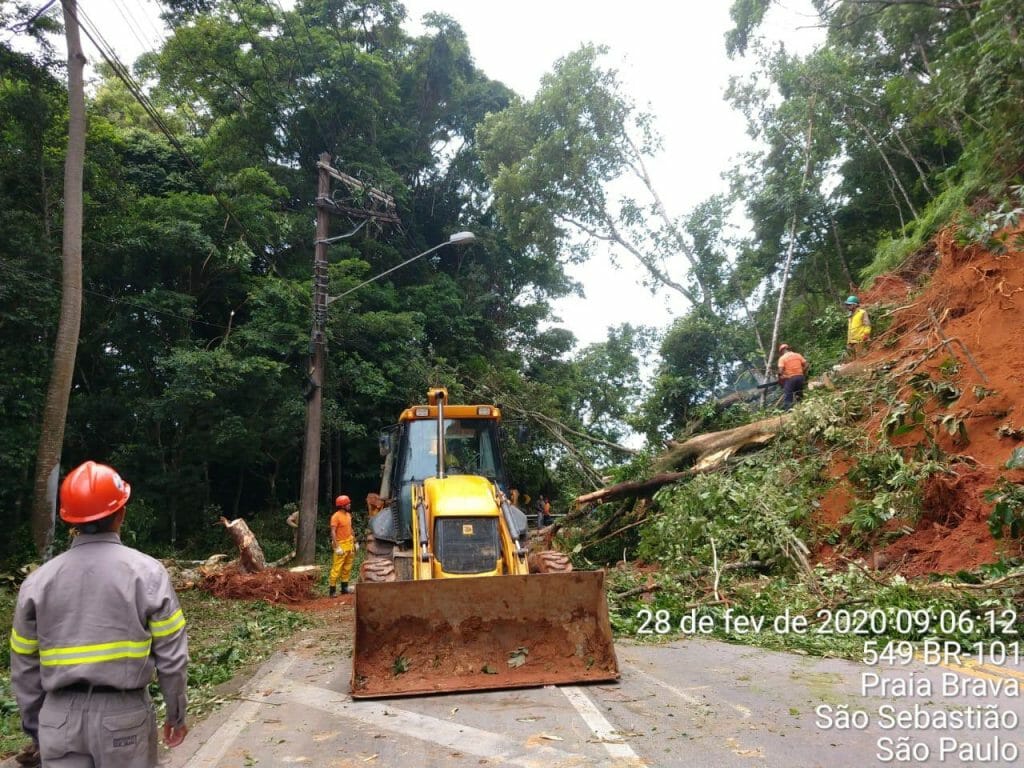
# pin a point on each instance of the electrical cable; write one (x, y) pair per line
(92, 32)
(131, 24)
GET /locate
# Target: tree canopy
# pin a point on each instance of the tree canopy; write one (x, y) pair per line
(200, 187)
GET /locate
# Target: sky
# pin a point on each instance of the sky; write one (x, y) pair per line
(671, 60)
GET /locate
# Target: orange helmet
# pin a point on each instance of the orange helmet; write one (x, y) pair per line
(91, 492)
(783, 347)
(343, 501)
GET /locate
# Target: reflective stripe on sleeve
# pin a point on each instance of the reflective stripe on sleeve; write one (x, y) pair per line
(23, 645)
(92, 654)
(167, 626)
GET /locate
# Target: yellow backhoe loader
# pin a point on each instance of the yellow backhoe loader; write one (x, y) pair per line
(449, 598)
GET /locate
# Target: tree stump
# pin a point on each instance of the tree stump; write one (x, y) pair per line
(250, 553)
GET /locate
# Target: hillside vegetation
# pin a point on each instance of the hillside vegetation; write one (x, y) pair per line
(897, 486)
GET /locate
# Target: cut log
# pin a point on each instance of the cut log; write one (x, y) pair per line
(282, 560)
(250, 553)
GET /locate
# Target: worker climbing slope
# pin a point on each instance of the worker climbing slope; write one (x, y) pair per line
(792, 375)
(858, 327)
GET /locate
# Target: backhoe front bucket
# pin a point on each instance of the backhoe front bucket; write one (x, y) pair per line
(438, 636)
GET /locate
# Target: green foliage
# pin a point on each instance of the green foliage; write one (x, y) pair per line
(226, 635)
(1007, 516)
(756, 512)
(987, 229)
(825, 416)
(904, 416)
(700, 356)
(1016, 460)
(889, 486)
(893, 251)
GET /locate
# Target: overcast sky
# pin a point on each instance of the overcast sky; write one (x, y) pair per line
(671, 59)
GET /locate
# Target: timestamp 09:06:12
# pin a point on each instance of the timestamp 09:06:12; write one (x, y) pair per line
(872, 622)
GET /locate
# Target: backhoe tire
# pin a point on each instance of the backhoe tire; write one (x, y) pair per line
(549, 561)
(377, 569)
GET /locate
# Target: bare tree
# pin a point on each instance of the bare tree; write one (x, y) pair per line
(787, 265)
(55, 410)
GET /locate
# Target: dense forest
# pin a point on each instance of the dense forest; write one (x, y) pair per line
(200, 188)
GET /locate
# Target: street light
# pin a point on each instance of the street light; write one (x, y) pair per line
(306, 544)
(459, 238)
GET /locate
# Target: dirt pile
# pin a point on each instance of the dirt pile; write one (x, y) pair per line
(964, 331)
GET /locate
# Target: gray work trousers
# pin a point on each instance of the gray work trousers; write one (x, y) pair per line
(98, 730)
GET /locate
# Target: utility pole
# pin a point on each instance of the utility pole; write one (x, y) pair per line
(381, 208)
(315, 399)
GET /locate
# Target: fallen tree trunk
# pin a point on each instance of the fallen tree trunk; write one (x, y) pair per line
(713, 448)
(250, 553)
(633, 487)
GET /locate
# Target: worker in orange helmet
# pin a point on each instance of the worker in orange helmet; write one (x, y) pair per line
(793, 369)
(343, 543)
(90, 628)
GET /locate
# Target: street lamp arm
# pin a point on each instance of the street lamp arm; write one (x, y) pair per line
(330, 240)
(458, 238)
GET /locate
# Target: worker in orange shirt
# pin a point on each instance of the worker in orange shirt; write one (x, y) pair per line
(343, 544)
(792, 375)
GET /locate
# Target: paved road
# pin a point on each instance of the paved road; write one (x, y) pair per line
(690, 702)
(686, 703)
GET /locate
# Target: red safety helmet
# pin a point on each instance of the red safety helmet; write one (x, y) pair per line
(91, 492)
(783, 347)
(343, 501)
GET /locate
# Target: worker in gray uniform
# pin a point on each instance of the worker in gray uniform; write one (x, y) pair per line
(90, 627)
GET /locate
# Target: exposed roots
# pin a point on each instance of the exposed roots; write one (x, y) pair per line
(271, 584)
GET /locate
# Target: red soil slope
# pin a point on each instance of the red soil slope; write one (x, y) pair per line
(978, 299)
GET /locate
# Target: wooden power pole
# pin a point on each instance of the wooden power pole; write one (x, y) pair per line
(381, 208)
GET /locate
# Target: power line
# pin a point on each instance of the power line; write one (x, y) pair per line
(158, 36)
(131, 23)
(108, 54)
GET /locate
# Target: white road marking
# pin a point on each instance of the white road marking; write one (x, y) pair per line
(744, 711)
(221, 741)
(461, 738)
(608, 736)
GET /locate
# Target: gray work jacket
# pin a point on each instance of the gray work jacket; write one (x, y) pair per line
(100, 614)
